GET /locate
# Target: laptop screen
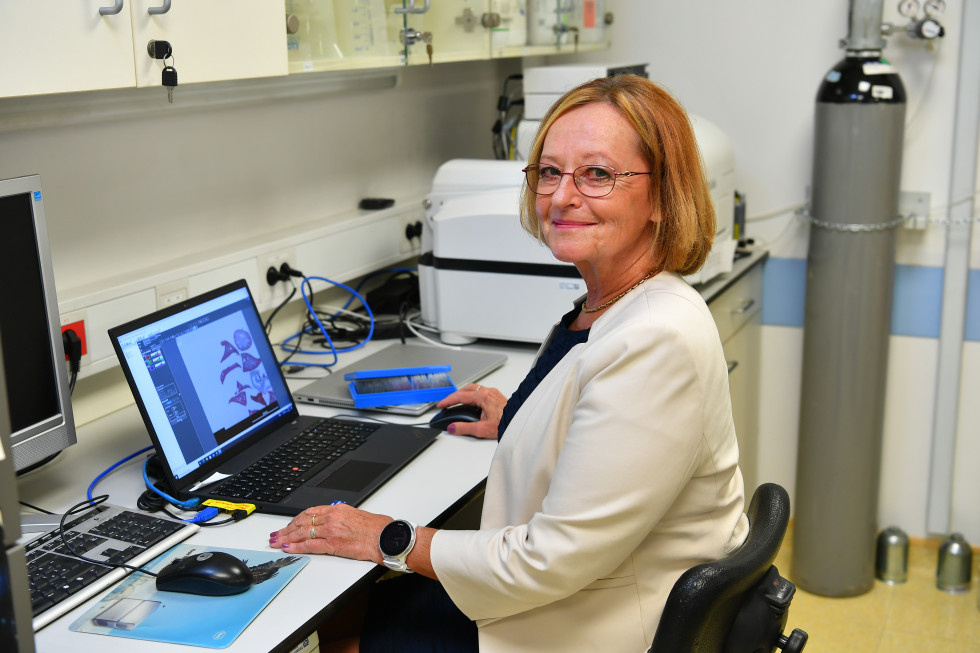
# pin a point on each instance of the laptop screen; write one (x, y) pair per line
(206, 376)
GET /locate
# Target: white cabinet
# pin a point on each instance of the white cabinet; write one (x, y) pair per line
(738, 314)
(54, 46)
(51, 46)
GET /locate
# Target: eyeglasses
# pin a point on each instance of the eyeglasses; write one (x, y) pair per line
(591, 180)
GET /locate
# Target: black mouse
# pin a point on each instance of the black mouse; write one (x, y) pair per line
(211, 573)
(457, 413)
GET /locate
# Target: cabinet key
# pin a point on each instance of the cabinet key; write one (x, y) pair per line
(170, 81)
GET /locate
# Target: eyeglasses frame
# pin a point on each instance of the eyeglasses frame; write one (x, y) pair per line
(616, 176)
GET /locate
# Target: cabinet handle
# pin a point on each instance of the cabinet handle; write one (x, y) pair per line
(410, 9)
(744, 306)
(732, 365)
(162, 9)
(113, 10)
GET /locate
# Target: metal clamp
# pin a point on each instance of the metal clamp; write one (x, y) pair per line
(410, 9)
(113, 10)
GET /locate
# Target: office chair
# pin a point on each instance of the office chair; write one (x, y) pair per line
(738, 604)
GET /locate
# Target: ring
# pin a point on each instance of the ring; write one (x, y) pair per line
(313, 520)
(312, 532)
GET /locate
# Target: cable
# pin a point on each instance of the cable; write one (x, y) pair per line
(41, 510)
(190, 503)
(333, 350)
(98, 478)
(75, 509)
(418, 334)
(72, 345)
(268, 323)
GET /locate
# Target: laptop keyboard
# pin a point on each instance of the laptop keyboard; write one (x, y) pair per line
(59, 581)
(286, 468)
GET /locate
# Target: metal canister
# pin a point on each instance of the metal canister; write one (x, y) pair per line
(955, 564)
(892, 560)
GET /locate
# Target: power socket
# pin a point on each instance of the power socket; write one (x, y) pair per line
(270, 294)
(76, 322)
(171, 293)
(411, 237)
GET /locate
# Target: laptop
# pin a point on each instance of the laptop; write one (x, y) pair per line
(215, 402)
(466, 366)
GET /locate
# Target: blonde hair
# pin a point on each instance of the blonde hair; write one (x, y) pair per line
(679, 191)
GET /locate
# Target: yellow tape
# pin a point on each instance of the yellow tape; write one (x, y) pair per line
(229, 506)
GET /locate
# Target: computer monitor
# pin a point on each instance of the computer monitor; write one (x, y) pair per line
(16, 631)
(30, 332)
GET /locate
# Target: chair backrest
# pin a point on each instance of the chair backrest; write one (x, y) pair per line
(704, 601)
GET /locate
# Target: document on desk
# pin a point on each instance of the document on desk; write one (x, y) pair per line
(137, 610)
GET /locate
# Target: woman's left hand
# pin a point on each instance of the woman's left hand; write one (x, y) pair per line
(338, 530)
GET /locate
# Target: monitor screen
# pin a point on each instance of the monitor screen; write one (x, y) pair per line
(30, 332)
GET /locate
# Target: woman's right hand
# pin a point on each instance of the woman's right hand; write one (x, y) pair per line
(490, 400)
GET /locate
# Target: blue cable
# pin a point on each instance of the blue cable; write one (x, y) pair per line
(186, 505)
(106, 472)
(333, 349)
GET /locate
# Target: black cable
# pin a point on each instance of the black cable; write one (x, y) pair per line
(89, 505)
(41, 510)
(268, 323)
(72, 345)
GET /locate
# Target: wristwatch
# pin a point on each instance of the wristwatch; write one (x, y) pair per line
(396, 542)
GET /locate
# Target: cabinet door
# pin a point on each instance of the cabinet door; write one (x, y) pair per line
(455, 29)
(342, 34)
(53, 46)
(738, 314)
(742, 352)
(212, 41)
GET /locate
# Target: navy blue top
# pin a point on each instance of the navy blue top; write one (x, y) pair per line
(562, 341)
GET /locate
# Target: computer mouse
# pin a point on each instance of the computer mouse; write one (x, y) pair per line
(457, 413)
(211, 573)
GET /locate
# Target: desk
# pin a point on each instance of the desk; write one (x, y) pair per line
(427, 491)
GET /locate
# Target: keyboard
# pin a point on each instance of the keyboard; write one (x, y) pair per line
(287, 467)
(60, 582)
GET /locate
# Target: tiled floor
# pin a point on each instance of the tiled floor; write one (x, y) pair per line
(914, 617)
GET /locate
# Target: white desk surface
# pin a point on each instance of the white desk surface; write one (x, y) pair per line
(451, 468)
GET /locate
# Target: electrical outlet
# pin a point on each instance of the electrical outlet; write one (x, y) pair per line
(268, 295)
(411, 233)
(171, 293)
(76, 322)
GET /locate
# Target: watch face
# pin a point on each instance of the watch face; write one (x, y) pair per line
(395, 538)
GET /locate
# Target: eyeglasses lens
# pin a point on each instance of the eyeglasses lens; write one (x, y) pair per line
(591, 181)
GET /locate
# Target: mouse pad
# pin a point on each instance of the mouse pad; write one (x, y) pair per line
(135, 609)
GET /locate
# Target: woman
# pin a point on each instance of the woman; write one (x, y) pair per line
(617, 467)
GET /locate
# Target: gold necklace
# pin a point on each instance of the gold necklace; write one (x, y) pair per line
(586, 309)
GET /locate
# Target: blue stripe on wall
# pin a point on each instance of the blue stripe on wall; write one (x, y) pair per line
(972, 331)
(783, 291)
(918, 301)
(916, 309)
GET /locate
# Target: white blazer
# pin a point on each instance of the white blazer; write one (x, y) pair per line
(618, 473)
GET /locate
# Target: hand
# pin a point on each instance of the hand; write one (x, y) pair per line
(490, 400)
(337, 530)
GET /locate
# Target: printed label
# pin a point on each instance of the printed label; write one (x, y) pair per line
(879, 68)
(882, 92)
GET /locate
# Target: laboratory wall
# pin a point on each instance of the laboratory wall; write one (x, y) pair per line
(753, 68)
(133, 184)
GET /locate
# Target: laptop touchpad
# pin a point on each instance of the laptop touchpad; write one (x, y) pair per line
(353, 476)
